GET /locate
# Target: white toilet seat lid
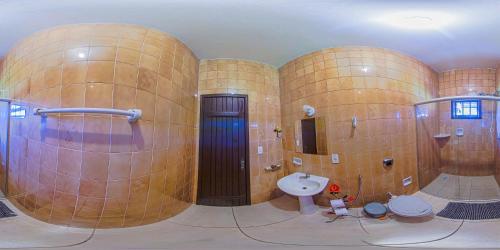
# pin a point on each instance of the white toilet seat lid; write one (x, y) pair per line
(409, 206)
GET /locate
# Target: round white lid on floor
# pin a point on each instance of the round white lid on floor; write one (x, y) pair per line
(409, 206)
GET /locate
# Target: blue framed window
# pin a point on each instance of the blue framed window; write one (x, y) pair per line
(17, 111)
(466, 109)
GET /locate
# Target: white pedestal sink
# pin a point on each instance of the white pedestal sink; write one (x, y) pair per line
(296, 184)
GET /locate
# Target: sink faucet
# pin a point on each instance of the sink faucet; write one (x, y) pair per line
(306, 176)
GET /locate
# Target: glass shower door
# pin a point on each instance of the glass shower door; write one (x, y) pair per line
(457, 144)
(4, 144)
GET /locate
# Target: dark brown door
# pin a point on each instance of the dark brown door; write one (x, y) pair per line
(223, 174)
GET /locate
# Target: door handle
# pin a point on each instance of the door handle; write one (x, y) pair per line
(242, 164)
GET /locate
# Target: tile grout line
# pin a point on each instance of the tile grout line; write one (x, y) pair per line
(110, 141)
(134, 126)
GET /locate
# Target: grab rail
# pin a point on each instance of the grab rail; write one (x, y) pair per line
(133, 114)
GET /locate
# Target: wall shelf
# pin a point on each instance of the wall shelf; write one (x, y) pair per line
(273, 168)
(442, 136)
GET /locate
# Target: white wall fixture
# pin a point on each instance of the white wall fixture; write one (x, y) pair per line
(335, 159)
(407, 181)
(309, 110)
(417, 20)
(297, 161)
(260, 150)
(354, 122)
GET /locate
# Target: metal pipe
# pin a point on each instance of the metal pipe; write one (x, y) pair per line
(449, 98)
(133, 114)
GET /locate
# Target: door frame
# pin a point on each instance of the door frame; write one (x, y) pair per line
(247, 143)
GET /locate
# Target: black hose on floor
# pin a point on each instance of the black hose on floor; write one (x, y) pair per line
(289, 244)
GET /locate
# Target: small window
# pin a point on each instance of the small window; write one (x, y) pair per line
(17, 111)
(466, 109)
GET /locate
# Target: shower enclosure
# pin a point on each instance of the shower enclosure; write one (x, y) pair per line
(4, 144)
(457, 141)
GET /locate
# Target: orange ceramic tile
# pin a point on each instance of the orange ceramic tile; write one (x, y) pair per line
(74, 72)
(99, 95)
(126, 74)
(102, 53)
(69, 162)
(95, 166)
(119, 166)
(73, 95)
(100, 71)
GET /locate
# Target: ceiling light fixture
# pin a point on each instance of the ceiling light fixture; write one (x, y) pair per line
(417, 20)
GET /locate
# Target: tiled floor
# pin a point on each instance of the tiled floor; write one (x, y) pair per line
(270, 225)
(22, 231)
(454, 187)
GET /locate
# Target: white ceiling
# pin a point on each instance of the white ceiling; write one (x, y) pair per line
(276, 31)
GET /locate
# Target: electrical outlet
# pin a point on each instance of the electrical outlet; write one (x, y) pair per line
(335, 159)
(260, 150)
(407, 181)
(297, 161)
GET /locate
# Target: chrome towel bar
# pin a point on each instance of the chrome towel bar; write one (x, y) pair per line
(133, 114)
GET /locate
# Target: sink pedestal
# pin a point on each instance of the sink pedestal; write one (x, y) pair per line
(307, 205)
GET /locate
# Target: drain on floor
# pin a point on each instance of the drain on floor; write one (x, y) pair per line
(471, 211)
(5, 211)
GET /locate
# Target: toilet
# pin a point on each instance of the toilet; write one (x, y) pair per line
(409, 206)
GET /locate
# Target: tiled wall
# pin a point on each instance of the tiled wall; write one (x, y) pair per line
(377, 86)
(99, 170)
(474, 153)
(260, 82)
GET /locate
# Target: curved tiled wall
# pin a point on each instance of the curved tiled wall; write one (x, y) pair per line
(379, 87)
(99, 170)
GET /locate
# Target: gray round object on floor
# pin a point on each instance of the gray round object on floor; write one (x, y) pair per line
(375, 209)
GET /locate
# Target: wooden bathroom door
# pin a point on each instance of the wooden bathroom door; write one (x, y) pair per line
(223, 172)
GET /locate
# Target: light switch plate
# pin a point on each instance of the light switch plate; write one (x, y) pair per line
(335, 159)
(297, 161)
(260, 150)
(459, 132)
(407, 181)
